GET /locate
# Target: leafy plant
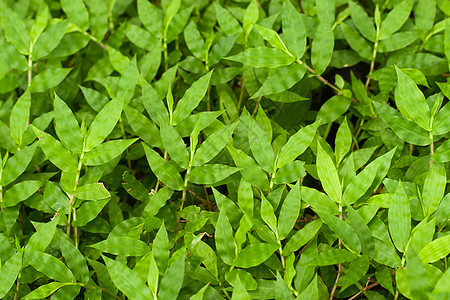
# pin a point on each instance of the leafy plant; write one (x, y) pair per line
(251, 149)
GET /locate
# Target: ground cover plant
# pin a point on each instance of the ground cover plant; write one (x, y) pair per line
(229, 149)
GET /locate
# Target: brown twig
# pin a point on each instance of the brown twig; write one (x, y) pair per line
(363, 290)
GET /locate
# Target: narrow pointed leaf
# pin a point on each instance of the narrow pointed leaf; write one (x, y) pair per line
(106, 152)
(66, 126)
(293, 29)
(289, 211)
(263, 57)
(328, 174)
(19, 118)
(399, 218)
(255, 254)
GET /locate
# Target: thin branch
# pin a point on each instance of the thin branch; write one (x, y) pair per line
(363, 290)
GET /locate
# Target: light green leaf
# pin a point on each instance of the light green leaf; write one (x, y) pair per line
(143, 127)
(211, 173)
(165, 172)
(106, 152)
(245, 197)
(125, 246)
(254, 255)
(322, 48)
(362, 21)
(174, 144)
(17, 164)
(128, 281)
(76, 12)
(399, 218)
(48, 79)
(88, 211)
(268, 214)
(319, 201)
(160, 249)
(411, 102)
(291, 172)
(436, 250)
(56, 152)
(272, 37)
(434, 188)
(289, 212)
(45, 290)
(249, 168)
(49, 40)
(150, 16)
(333, 257)
(356, 42)
(141, 37)
(66, 126)
(74, 260)
(293, 30)
(396, 18)
(447, 40)
(303, 236)
(104, 122)
(343, 141)
(228, 24)
(361, 229)
(251, 16)
(15, 29)
(194, 41)
(213, 145)
(19, 118)
(297, 144)
(43, 236)
(98, 15)
(263, 57)
(343, 231)
(49, 265)
(20, 192)
(281, 80)
(171, 283)
(261, 148)
(328, 175)
(335, 107)
(92, 191)
(191, 98)
(225, 244)
(9, 272)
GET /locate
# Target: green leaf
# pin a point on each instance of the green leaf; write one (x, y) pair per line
(290, 211)
(127, 281)
(291, 172)
(261, 148)
(45, 290)
(356, 270)
(436, 250)
(434, 188)
(411, 102)
(211, 173)
(281, 80)
(343, 231)
(384, 278)
(141, 37)
(49, 265)
(328, 174)
(311, 291)
(88, 211)
(343, 140)
(228, 24)
(406, 130)
(125, 246)
(164, 171)
(362, 21)
(191, 98)
(98, 15)
(174, 144)
(20, 192)
(43, 236)
(333, 257)
(271, 36)
(326, 11)
(245, 197)
(268, 214)
(128, 81)
(20, 114)
(48, 79)
(249, 169)
(263, 57)
(399, 218)
(171, 283)
(297, 144)
(106, 152)
(157, 201)
(150, 16)
(319, 201)
(195, 41)
(447, 40)
(9, 272)
(356, 42)
(160, 249)
(76, 12)
(66, 126)
(95, 99)
(104, 122)
(333, 109)
(254, 255)
(396, 18)
(17, 164)
(322, 48)
(92, 191)
(56, 152)
(74, 260)
(293, 30)
(361, 229)
(143, 127)
(424, 14)
(225, 244)
(49, 40)
(15, 29)
(213, 145)
(303, 236)
(251, 16)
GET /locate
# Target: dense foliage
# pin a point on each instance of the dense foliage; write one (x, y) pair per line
(229, 149)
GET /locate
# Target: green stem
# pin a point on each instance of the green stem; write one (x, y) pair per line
(72, 197)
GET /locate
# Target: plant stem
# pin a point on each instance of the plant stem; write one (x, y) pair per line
(72, 197)
(339, 265)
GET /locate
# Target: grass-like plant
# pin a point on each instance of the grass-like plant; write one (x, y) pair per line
(229, 149)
